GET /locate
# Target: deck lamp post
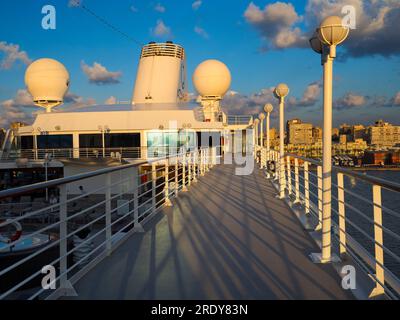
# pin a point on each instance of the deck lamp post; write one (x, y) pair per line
(281, 91)
(256, 122)
(261, 116)
(330, 33)
(268, 108)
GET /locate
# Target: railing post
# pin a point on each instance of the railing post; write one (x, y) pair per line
(202, 162)
(282, 179)
(319, 175)
(306, 189)
(342, 214)
(289, 176)
(378, 235)
(194, 166)
(297, 180)
(65, 285)
(108, 213)
(184, 189)
(190, 169)
(176, 176)
(153, 186)
(168, 202)
(137, 226)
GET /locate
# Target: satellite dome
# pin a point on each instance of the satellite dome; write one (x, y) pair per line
(212, 78)
(47, 81)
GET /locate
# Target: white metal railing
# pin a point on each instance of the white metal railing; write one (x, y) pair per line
(239, 120)
(358, 229)
(86, 224)
(93, 153)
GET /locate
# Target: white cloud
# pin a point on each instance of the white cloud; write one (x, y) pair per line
(197, 4)
(277, 24)
(376, 32)
(349, 100)
(161, 30)
(201, 32)
(111, 100)
(159, 8)
(16, 109)
(396, 99)
(99, 75)
(12, 54)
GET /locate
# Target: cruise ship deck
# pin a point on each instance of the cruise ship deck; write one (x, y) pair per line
(229, 237)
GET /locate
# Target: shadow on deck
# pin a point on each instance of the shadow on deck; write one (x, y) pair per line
(227, 238)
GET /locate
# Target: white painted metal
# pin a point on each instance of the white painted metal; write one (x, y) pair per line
(378, 236)
(297, 180)
(161, 74)
(306, 189)
(342, 214)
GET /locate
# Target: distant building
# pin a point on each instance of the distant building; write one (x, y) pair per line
(383, 135)
(317, 134)
(358, 132)
(299, 132)
(378, 158)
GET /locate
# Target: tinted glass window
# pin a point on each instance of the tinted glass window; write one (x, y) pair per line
(90, 141)
(27, 142)
(62, 141)
(122, 140)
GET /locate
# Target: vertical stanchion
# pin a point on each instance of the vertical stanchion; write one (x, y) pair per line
(297, 180)
(378, 235)
(108, 213)
(306, 189)
(194, 171)
(166, 184)
(190, 169)
(184, 189)
(153, 186)
(65, 285)
(319, 174)
(137, 226)
(342, 214)
(176, 176)
(289, 176)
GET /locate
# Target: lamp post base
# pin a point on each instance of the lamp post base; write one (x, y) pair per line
(317, 258)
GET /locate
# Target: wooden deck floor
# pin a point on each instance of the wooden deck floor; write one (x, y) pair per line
(227, 238)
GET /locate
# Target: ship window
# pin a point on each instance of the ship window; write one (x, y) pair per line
(26, 142)
(62, 141)
(90, 141)
(159, 142)
(122, 140)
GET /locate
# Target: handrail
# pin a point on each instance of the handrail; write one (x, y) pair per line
(392, 186)
(386, 281)
(142, 195)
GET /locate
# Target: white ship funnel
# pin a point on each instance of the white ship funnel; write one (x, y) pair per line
(161, 75)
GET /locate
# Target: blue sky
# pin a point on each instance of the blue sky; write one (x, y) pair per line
(242, 34)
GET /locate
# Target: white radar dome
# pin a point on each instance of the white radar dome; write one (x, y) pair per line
(47, 81)
(212, 78)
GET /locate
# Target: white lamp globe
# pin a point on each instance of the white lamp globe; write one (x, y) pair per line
(261, 116)
(212, 78)
(268, 108)
(332, 31)
(281, 90)
(256, 121)
(47, 80)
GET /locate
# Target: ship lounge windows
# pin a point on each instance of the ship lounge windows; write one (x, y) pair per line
(61, 141)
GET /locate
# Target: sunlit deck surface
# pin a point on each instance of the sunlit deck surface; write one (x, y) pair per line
(227, 238)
